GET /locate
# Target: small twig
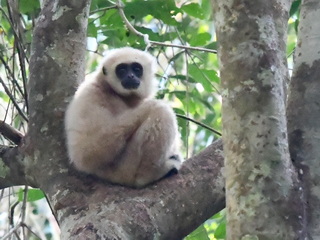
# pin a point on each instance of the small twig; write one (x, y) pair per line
(6, 89)
(11, 218)
(9, 18)
(199, 123)
(187, 101)
(291, 53)
(12, 231)
(126, 21)
(15, 22)
(183, 47)
(15, 82)
(30, 230)
(103, 9)
(11, 133)
(24, 74)
(24, 204)
(146, 37)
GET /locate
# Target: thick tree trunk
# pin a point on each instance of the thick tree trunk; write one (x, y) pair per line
(260, 179)
(304, 113)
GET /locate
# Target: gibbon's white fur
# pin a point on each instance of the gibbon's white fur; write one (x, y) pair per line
(115, 129)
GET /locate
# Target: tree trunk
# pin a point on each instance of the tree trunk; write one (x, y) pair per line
(304, 114)
(260, 180)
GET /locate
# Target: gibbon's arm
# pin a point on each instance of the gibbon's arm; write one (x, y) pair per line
(90, 124)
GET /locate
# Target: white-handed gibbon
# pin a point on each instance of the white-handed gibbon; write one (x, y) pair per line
(115, 129)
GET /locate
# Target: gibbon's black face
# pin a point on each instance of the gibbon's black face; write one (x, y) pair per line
(129, 74)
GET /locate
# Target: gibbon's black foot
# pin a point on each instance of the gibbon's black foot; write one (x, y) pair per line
(174, 164)
(172, 172)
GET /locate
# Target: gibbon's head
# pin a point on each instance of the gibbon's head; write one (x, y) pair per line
(129, 71)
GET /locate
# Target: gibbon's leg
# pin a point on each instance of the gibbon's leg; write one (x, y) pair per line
(150, 151)
(158, 136)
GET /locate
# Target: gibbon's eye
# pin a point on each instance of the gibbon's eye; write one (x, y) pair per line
(137, 69)
(104, 71)
(122, 70)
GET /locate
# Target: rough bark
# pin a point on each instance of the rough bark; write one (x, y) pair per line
(304, 113)
(260, 178)
(12, 167)
(170, 209)
(85, 207)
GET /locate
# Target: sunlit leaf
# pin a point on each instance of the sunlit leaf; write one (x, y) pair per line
(295, 7)
(199, 234)
(33, 195)
(4, 96)
(221, 230)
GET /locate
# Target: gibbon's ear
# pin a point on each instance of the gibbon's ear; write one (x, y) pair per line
(104, 71)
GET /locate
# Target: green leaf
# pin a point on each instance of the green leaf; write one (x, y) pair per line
(179, 111)
(203, 76)
(206, 8)
(221, 230)
(4, 96)
(184, 78)
(199, 234)
(33, 195)
(28, 7)
(211, 45)
(163, 10)
(181, 95)
(296, 24)
(200, 39)
(295, 7)
(194, 10)
(92, 30)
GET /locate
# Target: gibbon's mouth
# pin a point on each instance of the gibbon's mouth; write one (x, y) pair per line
(130, 84)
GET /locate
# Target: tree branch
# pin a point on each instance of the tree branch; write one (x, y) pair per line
(11, 133)
(102, 210)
